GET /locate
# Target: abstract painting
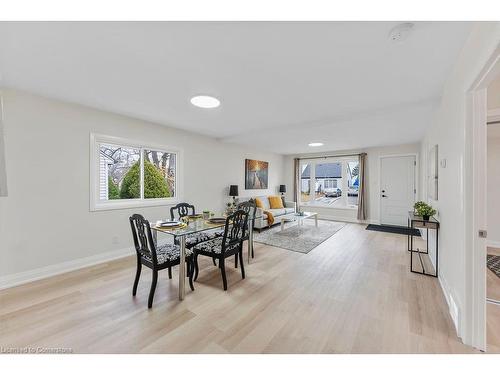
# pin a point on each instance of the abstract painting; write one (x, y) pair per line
(256, 174)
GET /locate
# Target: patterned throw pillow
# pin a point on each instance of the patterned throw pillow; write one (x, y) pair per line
(275, 202)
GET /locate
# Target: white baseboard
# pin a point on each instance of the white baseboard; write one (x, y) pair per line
(453, 308)
(57, 269)
(345, 219)
(491, 243)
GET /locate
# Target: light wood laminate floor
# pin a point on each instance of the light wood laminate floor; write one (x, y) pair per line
(492, 280)
(352, 294)
(493, 311)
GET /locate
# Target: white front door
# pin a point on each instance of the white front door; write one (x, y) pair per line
(397, 189)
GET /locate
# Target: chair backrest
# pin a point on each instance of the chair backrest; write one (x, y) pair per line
(143, 240)
(234, 231)
(182, 210)
(249, 207)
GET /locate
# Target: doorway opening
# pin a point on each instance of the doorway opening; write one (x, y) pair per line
(493, 217)
(484, 321)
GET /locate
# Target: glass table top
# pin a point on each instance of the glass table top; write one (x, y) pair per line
(194, 226)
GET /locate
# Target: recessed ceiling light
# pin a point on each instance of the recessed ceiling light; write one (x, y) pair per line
(315, 144)
(205, 101)
(400, 32)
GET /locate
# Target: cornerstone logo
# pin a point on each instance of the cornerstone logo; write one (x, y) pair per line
(34, 350)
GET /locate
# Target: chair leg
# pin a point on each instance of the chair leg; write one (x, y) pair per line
(137, 275)
(223, 272)
(191, 271)
(153, 287)
(241, 264)
(213, 260)
(236, 261)
(169, 272)
(196, 269)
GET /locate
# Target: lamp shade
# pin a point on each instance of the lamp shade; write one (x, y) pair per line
(282, 188)
(233, 190)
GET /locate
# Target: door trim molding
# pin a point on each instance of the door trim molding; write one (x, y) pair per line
(416, 179)
(474, 322)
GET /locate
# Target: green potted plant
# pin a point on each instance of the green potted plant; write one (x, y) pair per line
(424, 210)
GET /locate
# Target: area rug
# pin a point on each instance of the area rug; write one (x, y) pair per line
(393, 229)
(493, 263)
(301, 238)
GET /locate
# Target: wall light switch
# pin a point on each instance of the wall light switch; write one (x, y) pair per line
(443, 163)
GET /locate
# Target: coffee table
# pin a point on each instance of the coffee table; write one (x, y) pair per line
(298, 218)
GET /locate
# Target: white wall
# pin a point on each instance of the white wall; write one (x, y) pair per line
(373, 183)
(449, 131)
(3, 172)
(45, 220)
(493, 187)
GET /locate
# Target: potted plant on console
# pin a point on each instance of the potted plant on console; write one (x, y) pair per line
(424, 210)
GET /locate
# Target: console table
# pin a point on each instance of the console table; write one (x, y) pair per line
(417, 222)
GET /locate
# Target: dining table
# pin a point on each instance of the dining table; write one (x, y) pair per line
(193, 226)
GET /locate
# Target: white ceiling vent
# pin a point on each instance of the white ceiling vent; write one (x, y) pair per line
(400, 32)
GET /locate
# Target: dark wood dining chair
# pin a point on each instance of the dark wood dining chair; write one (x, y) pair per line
(231, 243)
(249, 207)
(184, 209)
(155, 257)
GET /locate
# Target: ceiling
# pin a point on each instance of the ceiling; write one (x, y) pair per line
(281, 84)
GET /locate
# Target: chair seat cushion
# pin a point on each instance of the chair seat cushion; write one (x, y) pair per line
(213, 246)
(196, 238)
(168, 253)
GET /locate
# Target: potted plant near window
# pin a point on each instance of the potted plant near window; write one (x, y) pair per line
(424, 210)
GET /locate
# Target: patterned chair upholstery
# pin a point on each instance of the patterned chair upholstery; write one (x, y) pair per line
(196, 238)
(155, 257)
(184, 209)
(168, 253)
(213, 246)
(231, 243)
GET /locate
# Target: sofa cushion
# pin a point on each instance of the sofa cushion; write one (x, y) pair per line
(277, 211)
(265, 202)
(275, 202)
(289, 210)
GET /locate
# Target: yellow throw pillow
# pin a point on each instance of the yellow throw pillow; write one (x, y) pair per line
(275, 202)
(258, 203)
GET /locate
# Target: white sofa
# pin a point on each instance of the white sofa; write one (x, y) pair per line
(261, 221)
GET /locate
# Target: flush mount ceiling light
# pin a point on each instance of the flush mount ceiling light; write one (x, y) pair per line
(205, 101)
(315, 144)
(400, 32)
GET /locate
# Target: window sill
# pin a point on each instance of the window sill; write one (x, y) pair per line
(121, 205)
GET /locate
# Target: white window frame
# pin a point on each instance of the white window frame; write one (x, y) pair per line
(312, 178)
(97, 205)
